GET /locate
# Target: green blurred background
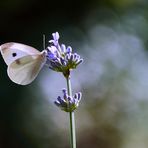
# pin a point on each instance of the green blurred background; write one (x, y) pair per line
(112, 37)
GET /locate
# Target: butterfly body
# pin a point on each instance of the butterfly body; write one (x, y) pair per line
(24, 62)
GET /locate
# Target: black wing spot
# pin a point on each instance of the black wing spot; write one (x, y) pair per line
(14, 54)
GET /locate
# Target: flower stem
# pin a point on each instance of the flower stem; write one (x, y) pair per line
(72, 117)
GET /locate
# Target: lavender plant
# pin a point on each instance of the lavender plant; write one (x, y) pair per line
(61, 59)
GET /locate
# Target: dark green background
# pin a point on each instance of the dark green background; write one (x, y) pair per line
(113, 112)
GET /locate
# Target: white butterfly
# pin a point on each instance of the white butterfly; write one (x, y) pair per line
(24, 62)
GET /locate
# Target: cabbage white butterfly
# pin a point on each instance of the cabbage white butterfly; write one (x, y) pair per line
(24, 62)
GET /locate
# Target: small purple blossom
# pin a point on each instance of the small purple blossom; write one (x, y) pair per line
(60, 58)
(55, 40)
(68, 103)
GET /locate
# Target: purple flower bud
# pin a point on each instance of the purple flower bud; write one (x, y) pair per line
(55, 36)
(57, 103)
(68, 103)
(63, 48)
(69, 49)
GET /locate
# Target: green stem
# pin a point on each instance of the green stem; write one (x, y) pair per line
(72, 117)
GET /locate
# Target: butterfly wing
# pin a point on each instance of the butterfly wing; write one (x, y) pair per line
(24, 70)
(13, 51)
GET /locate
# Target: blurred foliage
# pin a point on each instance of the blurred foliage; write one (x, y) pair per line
(112, 37)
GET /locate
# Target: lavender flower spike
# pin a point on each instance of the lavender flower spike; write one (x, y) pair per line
(60, 58)
(68, 103)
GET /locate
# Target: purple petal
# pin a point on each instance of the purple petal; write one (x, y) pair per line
(64, 91)
(57, 103)
(56, 36)
(79, 96)
(69, 49)
(63, 48)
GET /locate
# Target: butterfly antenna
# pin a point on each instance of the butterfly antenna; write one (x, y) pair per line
(44, 42)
